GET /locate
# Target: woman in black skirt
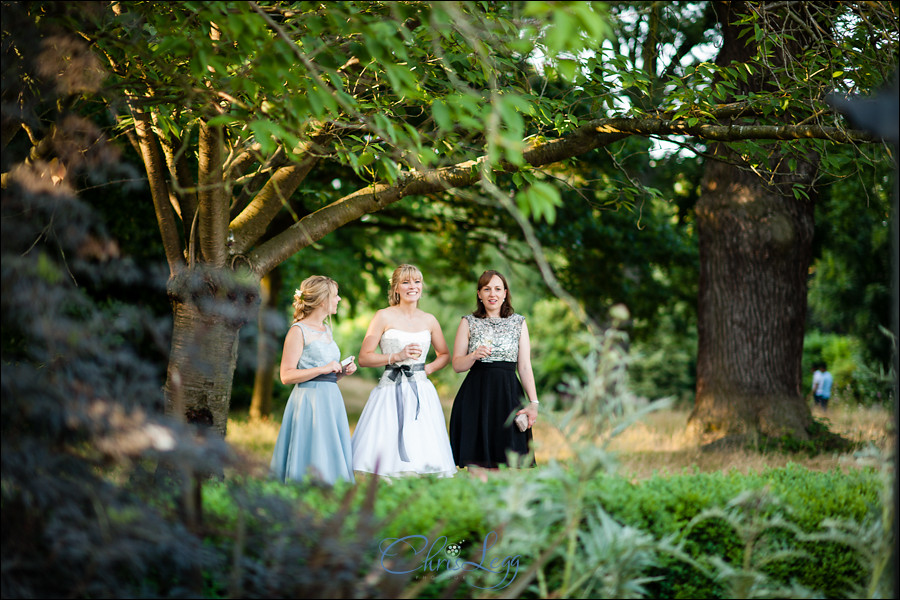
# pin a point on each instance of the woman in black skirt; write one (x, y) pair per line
(492, 344)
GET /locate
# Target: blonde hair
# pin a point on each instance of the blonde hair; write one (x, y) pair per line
(400, 273)
(314, 291)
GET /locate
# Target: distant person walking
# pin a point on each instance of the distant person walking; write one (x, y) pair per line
(821, 385)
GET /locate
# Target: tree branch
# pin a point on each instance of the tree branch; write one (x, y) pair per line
(597, 133)
(159, 191)
(242, 162)
(251, 224)
(250, 188)
(731, 133)
(184, 188)
(213, 205)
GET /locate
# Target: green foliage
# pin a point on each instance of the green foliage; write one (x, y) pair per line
(624, 234)
(557, 340)
(857, 378)
(664, 360)
(671, 536)
(272, 545)
(386, 66)
(849, 289)
(81, 417)
(690, 507)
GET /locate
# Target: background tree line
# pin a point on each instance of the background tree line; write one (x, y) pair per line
(268, 131)
(239, 141)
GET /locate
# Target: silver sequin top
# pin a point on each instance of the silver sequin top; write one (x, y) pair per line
(502, 335)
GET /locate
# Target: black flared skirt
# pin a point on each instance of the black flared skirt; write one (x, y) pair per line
(481, 431)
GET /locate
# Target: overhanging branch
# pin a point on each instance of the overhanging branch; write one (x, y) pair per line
(731, 133)
(592, 135)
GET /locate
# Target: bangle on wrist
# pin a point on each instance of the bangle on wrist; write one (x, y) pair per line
(390, 358)
(534, 401)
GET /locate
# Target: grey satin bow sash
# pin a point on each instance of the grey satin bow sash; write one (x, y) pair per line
(396, 373)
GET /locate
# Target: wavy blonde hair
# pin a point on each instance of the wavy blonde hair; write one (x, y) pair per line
(401, 273)
(314, 291)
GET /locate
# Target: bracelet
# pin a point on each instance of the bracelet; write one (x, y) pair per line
(534, 401)
(390, 358)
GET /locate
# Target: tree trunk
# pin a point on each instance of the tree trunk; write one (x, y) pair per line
(209, 306)
(264, 380)
(755, 251)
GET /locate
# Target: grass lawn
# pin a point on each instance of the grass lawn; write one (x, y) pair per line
(657, 444)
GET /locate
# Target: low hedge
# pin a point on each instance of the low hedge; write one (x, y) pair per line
(785, 534)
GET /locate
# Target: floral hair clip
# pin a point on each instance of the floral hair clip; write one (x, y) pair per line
(298, 294)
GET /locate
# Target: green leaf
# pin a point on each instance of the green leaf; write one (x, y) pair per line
(221, 120)
(441, 115)
(568, 69)
(365, 159)
(541, 200)
(267, 134)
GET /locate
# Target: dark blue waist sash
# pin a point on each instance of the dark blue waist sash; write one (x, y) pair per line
(324, 378)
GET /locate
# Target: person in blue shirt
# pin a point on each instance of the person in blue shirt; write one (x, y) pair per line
(821, 385)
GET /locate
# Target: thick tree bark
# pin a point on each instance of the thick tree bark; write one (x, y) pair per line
(755, 250)
(209, 308)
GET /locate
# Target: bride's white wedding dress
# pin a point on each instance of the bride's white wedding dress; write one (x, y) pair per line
(402, 429)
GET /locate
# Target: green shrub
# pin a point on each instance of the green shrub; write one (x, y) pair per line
(856, 379)
(701, 524)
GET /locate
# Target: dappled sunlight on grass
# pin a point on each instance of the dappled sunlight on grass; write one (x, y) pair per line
(658, 443)
(859, 423)
(254, 439)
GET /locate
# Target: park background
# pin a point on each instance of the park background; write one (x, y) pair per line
(107, 486)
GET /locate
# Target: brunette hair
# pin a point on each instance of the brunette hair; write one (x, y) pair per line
(401, 273)
(313, 292)
(506, 308)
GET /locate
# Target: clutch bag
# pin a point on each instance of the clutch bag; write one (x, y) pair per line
(522, 422)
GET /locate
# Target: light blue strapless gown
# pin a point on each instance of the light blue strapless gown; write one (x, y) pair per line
(314, 438)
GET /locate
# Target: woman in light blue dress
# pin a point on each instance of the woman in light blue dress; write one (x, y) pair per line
(314, 438)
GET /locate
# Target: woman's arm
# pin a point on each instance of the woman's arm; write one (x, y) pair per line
(462, 358)
(526, 375)
(440, 348)
(367, 355)
(290, 356)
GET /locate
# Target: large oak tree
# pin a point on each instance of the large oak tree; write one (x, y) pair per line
(232, 106)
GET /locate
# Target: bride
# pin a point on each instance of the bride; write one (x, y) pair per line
(402, 428)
